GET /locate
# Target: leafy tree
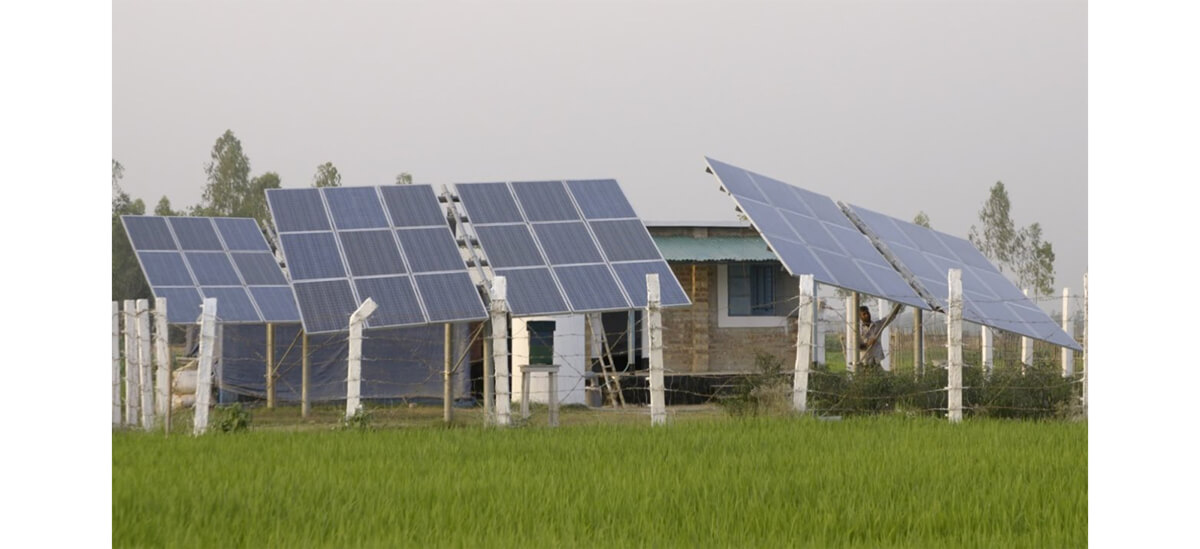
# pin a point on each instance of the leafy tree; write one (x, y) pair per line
(164, 208)
(255, 203)
(1035, 267)
(228, 174)
(923, 220)
(404, 178)
(128, 282)
(327, 176)
(998, 239)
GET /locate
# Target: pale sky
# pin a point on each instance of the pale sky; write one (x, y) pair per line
(896, 106)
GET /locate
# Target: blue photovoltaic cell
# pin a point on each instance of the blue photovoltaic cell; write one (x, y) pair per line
(768, 220)
(799, 258)
(233, 305)
(148, 233)
(781, 195)
(277, 303)
(355, 208)
(312, 255)
(509, 246)
(625, 240)
(813, 232)
(601, 199)
(489, 203)
(183, 304)
(241, 234)
(591, 288)
(195, 233)
(567, 243)
(633, 277)
(430, 250)
(450, 296)
(545, 201)
(372, 253)
(212, 269)
(258, 268)
(298, 210)
(736, 180)
(326, 305)
(413, 205)
(398, 305)
(532, 292)
(165, 269)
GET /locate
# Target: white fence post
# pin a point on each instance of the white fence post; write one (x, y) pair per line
(954, 362)
(116, 364)
(658, 406)
(986, 344)
(851, 332)
(133, 389)
(162, 353)
(819, 338)
(145, 362)
(204, 369)
(1085, 345)
(499, 306)
(1068, 356)
(806, 326)
(1026, 347)
(884, 337)
(918, 342)
(354, 365)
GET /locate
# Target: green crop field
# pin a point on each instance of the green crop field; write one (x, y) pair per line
(764, 482)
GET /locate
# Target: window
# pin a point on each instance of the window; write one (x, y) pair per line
(752, 289)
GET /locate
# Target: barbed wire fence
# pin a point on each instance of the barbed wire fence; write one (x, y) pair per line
(405, 370)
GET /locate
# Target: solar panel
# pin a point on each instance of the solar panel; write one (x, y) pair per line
(188, 258)
(989, 298)
(562, 243)
(811, 235)
(369, 242)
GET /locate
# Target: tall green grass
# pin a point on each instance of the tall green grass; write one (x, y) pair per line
(768, 482)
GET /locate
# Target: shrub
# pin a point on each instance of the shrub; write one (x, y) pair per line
(231, 419)
(766, 390)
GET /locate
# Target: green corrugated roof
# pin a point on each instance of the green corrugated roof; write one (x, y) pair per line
(721, 248)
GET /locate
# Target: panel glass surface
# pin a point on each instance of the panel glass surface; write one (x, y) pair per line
(233, 304)
(567, 243)
(545, 201)
(372, 253)
(212, 269)
(312, 256)
(298, 210)
(259, 268)
(633, 277)
(195, 233)
(148, 233)
(398, 305)
(625, 240)
(601, 199)
(325, 305)
(165, 269)
(532, 292)
(430, 250)
(450, 296)
(591, 288)
(183, 304)
(277, 303)
(355, 208)
(488, 203)
(413, 205)
(241, 234)
(509, 246)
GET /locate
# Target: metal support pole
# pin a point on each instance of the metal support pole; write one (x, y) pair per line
(447, 390)
(270, 366)
(304, 374)
(489, 405)
(499, 312)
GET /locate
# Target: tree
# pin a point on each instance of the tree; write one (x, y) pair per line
(164, 208)
(923, 220)
(1035, 267)
(228, 174)
(128, 282)
(255, 204)
(998, 239)
(404, 178)
(327, 176)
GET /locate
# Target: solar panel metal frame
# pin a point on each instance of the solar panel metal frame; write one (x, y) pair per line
(181, 313)
(799, 256)
(388, 205)
(989, 298)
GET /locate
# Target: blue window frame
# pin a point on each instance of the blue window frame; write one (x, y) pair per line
(752, 289)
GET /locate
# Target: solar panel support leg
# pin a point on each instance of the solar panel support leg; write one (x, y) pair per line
(447, 366)
(270, 366)
(304, 375)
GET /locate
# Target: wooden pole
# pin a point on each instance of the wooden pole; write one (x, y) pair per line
(270, 375)
(954, 361)
(1068, 356)
(204, 370)
(162, 398)
(1026, 348)
(145, 359)
(1085, 345)
(132, 372)
(354, 364)
(805, 330)
(918, 342)
(499, 312)
(658, 401)
(304, 398)
(116, 364)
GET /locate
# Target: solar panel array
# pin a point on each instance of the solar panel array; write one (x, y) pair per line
(811, 235)
(989, 298)
(392, 244)
(566, 246)
(186, 259)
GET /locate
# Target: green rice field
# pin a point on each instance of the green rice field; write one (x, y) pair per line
(761, 482)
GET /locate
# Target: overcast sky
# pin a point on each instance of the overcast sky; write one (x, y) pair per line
(897, 106)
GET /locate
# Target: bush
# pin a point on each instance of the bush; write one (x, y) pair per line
(767, 390)
(359, 421)
(231, 419)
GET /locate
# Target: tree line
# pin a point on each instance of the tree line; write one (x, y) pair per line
(229, 191)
